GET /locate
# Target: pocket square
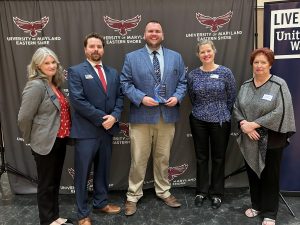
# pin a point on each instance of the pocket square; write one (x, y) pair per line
(88, 76)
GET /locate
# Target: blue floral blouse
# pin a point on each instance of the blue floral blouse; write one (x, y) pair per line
(212, 94)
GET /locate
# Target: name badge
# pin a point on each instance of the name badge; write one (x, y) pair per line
(267, 97)
(88, 76)
(214, 76)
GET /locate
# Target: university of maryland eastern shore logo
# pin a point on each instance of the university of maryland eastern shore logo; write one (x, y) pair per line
(173, 172)
(31, 27)
(176, 171)
(124, 129)
(214, 23)
(89, 184)
(122, 26)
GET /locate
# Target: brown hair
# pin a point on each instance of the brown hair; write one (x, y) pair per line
(265, 51)
(153, 21)
(205, 42)
(93, 35)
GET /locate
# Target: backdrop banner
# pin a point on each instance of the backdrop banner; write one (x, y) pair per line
(62, 25)
(282, 35)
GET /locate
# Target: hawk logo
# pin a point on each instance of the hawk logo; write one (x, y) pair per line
(71, 171)
(214, 23)
(122, 26)
(31, 27)
(174, 172)
(124, 129)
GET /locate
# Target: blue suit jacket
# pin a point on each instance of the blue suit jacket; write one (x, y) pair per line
(138, 80)
(90, 102)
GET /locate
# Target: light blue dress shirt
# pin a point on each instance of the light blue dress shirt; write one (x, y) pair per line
(160, 57)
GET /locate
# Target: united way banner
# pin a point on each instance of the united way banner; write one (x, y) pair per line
(282, 35)
(62, 25)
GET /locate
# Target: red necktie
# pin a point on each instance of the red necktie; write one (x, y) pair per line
(101, 76)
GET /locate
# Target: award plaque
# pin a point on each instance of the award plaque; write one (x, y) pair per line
(160, 93)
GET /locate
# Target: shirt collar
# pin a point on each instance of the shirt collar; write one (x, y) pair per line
(159, 51)
(94, 64)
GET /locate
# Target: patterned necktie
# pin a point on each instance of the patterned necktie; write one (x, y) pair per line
(156, 66)
(101, 76)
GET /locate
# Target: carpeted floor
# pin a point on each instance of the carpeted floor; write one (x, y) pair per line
(22, 209)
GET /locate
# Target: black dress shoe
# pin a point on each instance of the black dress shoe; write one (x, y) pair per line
(216, 202)
(199, 200)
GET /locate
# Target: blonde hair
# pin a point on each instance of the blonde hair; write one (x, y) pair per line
(37, 59)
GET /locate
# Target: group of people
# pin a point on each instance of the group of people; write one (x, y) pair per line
(153, 79)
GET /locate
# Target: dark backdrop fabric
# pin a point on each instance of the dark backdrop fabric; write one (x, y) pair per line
(282, 23)
(68, 23)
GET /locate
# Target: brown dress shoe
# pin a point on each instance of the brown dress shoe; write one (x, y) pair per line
(130, 208)
(171, 201)
(109, 209)
(85, 221)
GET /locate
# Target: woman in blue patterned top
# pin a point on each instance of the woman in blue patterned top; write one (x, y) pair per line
(212, 91)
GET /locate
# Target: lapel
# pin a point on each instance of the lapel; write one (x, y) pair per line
(90, 70)
(149, 64)
(109, 79)
(52, 95)
(166, 64)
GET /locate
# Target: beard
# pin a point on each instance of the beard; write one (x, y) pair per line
(95, 57)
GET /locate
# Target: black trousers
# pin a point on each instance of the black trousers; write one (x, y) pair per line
(215, 135)
(49, 169)
(264, 191)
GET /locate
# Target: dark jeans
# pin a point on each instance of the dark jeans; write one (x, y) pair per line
(264, 191)
(216, 136)
(49, 169)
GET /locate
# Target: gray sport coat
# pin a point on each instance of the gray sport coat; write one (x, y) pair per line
(39, 116)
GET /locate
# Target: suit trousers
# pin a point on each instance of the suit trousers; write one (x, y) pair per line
(145, 138)
(264, 191)
(49, 169)
(214, 136)
(88, 152)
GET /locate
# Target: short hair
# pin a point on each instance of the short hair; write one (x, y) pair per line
(37, 59)
(152, 21)
(205, 42)
(266, 52)
(93, 35)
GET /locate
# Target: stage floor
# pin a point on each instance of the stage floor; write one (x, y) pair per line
(22, 209)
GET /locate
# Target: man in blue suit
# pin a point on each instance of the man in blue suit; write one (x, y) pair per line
(97, 104)
(153, 78)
